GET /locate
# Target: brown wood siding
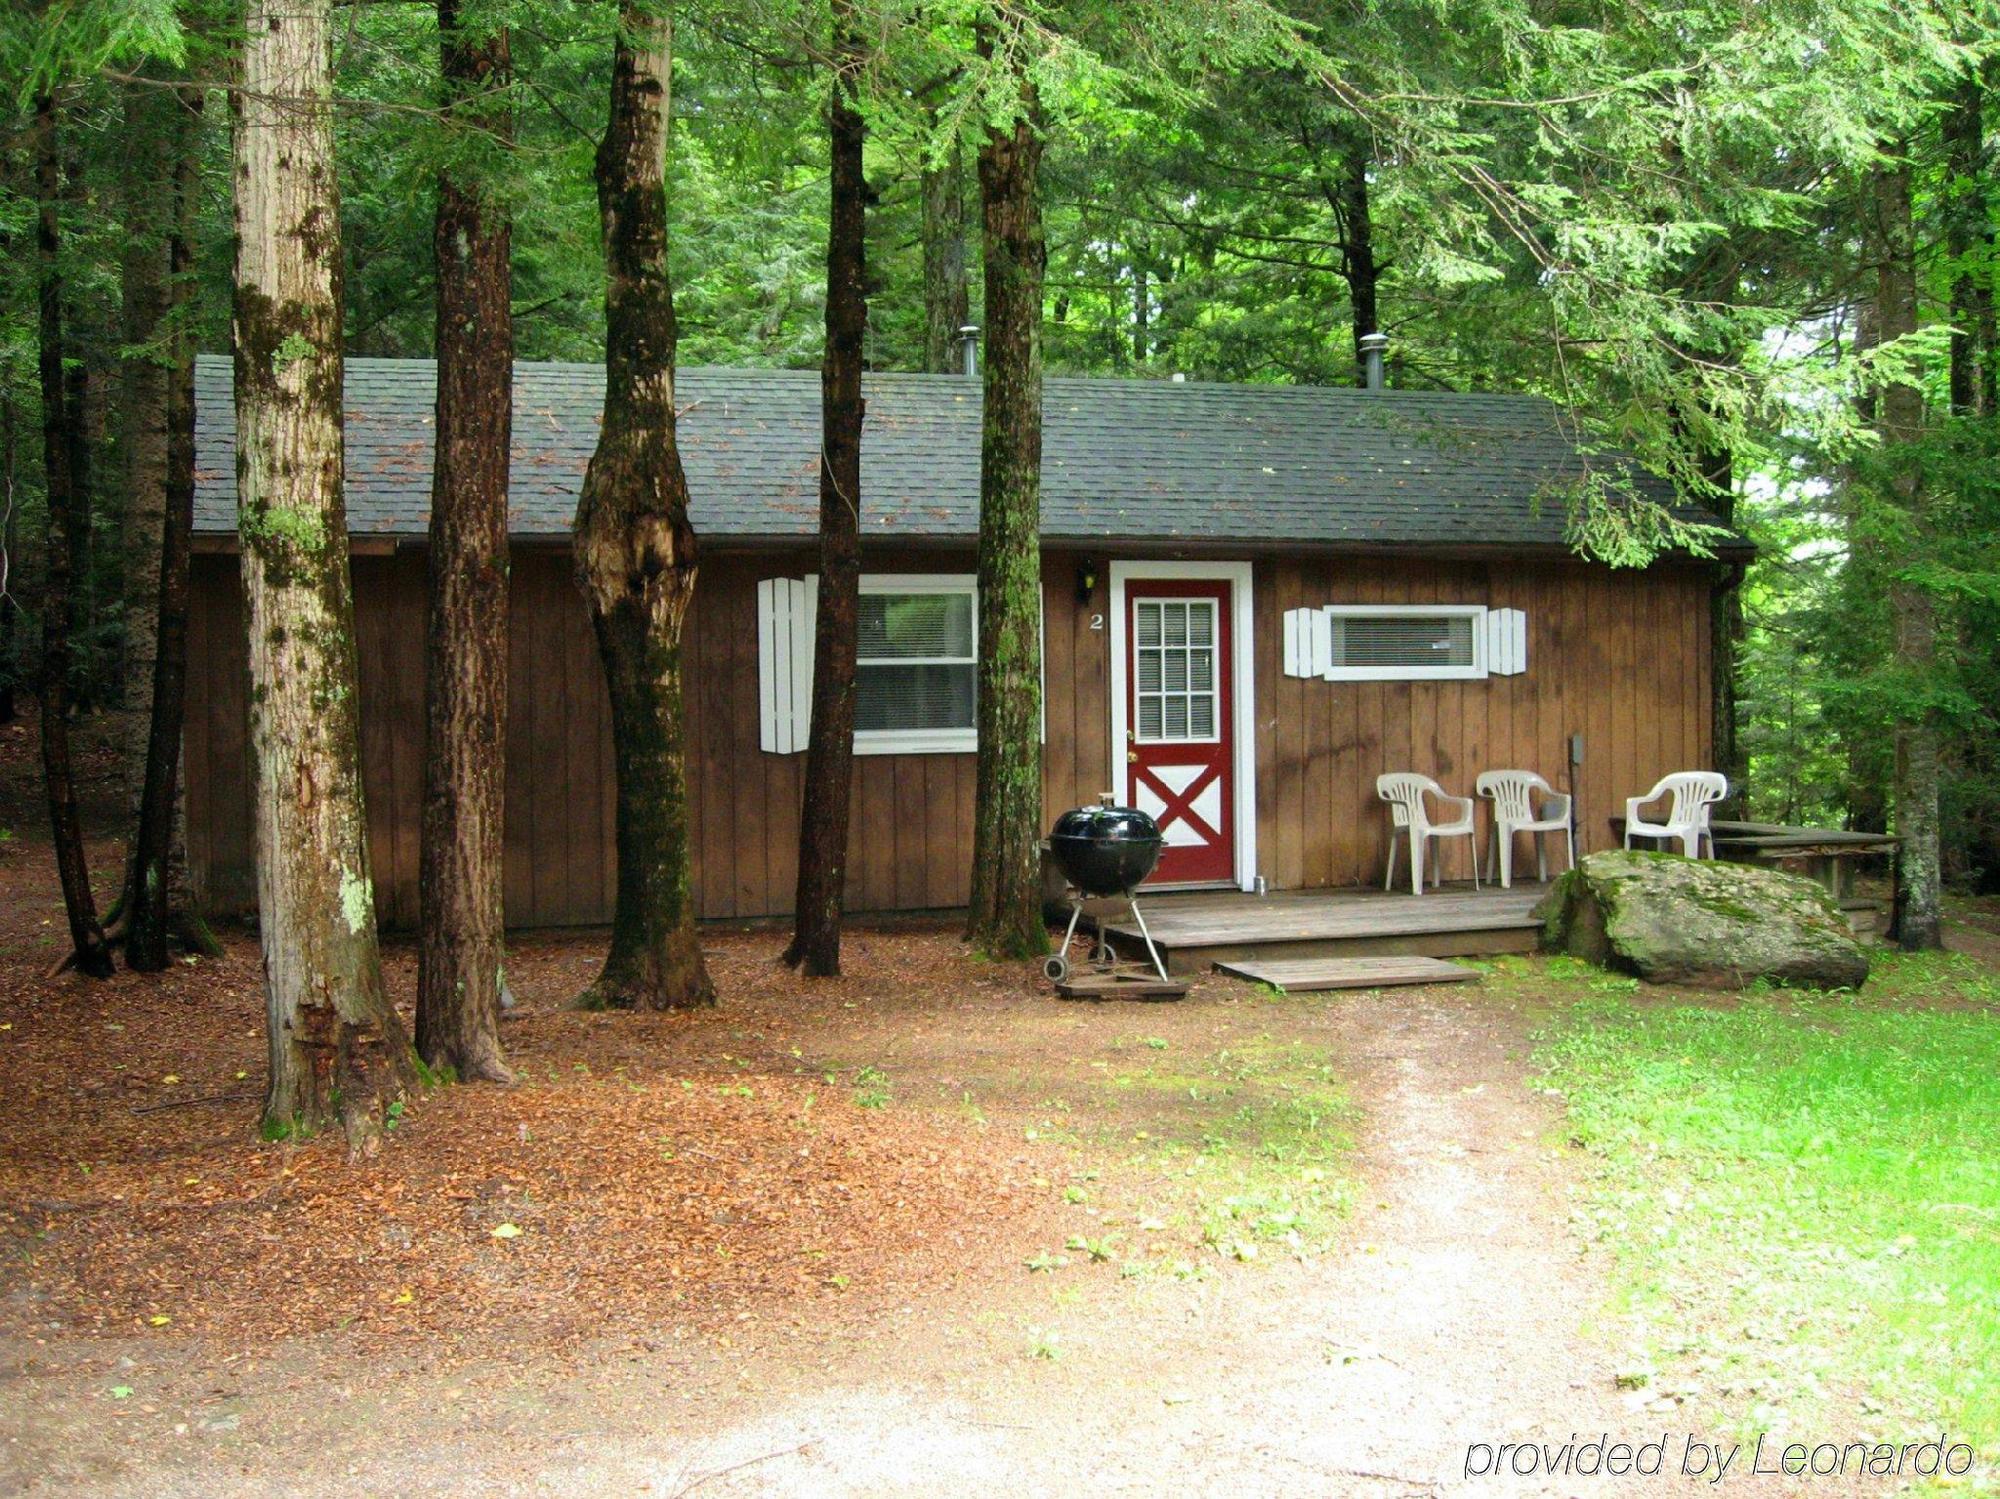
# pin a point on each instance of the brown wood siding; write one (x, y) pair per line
(1621, 658)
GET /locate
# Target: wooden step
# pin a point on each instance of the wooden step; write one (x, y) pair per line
(1302, 975)
(1124, 984)
(1194, 933)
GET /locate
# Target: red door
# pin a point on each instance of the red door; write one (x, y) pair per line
(1178, 714)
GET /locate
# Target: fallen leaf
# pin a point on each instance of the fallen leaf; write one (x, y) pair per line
(507, 1231)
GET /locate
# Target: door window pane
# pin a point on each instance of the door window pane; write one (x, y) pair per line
(1175, 674)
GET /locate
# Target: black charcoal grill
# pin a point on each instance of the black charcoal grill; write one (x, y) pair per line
(1104, 852)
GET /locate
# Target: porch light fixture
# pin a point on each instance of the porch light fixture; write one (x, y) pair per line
(1086, 582)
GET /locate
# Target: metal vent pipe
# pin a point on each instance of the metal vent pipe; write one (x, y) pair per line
(1373, 347)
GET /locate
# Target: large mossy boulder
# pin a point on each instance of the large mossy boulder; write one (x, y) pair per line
(1714, 925)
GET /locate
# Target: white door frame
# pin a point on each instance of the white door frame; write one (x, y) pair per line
(1243, 691)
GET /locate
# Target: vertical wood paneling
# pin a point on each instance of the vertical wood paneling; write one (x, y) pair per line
(524, 627)
(377, 659)
(1623, 658)
(1090, 696)
(196, 777)
(945, 872)
(1285, 785)
(749, 810)
(715, 793)
(1058, 651)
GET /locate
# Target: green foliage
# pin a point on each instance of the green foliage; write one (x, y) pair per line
(1653, 215)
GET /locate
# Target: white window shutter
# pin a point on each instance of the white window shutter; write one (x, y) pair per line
(786, 609)
(1506, 642)
(1308, 642)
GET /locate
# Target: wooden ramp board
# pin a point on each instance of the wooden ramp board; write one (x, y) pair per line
(1087, 985)
(1302, 975)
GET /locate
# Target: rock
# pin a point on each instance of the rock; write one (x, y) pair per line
(1701, 922)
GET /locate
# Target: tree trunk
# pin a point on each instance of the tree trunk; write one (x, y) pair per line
(1968, 227)
(1725, 626)
(946, 304)
(156, 894)
(1005, 920)
(1900, 422)
(60, 449)
(337, 1047)
(81, 401)
(823, 817)
(9, 560)
(635, 548)
(146, 167)
(1357, 243)
(1142, 312)
(465, 704)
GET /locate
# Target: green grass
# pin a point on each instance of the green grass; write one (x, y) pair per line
(1803, 1195)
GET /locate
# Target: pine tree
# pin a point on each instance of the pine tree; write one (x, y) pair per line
(1900, 421)
(635, 547)
(67, 523)
(465, 674)
(824, 814)
(159, 901)
(337, 1048)
(1005, 919)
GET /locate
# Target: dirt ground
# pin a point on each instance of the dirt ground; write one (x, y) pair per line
(780, 1247)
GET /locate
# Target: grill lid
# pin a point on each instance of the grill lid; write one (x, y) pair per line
(1105, 850)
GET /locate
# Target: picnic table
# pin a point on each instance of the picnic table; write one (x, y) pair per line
(1827, 854)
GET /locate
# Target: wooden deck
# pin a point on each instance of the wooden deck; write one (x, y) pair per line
(1194, 932)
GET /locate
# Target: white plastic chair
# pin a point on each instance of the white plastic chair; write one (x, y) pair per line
(1405, 795)
(1693, 793)
(1513, 794)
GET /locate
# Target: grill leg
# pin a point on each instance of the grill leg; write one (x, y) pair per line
(1075, 915)
(1158, 966)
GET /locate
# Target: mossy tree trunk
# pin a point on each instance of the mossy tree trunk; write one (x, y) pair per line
(66, 522)
(824, 812)
(635, 547)
(1918, 918)
(946, 304)
(337, 1047)
(1005, 919)
(159, 900)
(465, 670)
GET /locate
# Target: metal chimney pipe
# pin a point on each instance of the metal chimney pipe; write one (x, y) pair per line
(968, 349)
(1373, 346)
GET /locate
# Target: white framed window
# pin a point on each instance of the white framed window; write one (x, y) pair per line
(1405, 642)
(916, 664)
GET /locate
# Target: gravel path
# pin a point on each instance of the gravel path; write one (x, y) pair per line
(1453, 1319)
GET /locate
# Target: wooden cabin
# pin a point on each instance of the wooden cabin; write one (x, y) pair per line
(1254, 600)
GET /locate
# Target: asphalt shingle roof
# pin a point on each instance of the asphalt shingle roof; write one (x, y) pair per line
(1152, 460)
